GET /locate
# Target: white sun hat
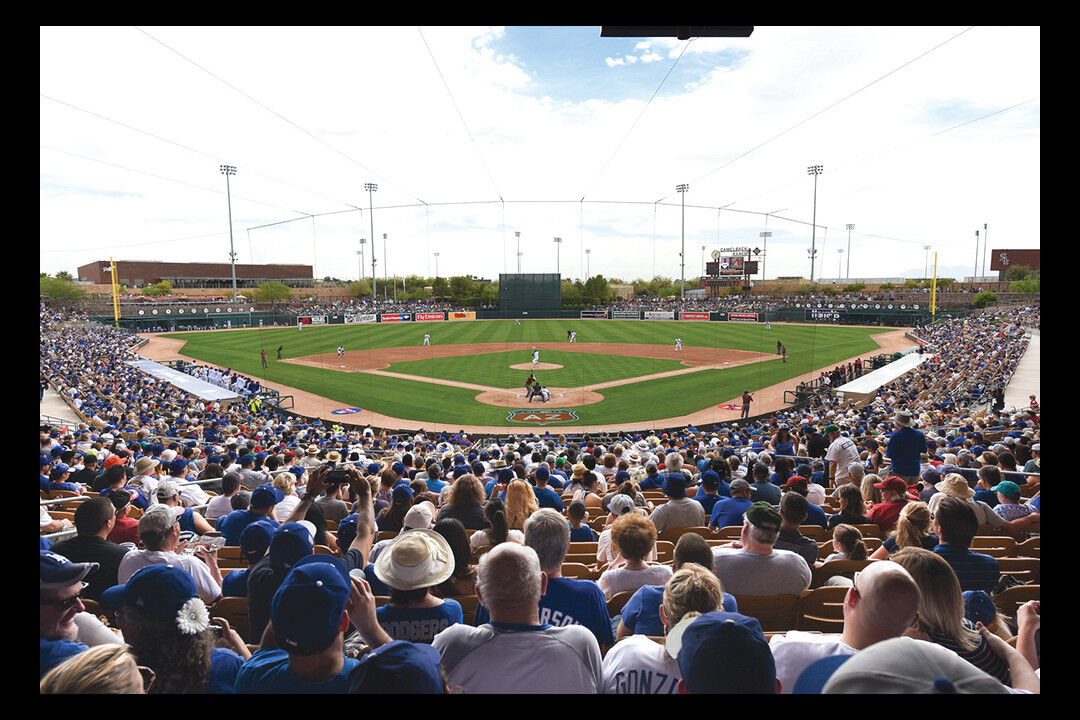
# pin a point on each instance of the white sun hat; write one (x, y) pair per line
(415, 559)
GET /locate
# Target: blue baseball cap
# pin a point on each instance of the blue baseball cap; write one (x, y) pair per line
(307, 608)
(157, 591)
(372, 468)
(290, 543)
(398, 468)
(726, 635)
(710, 478)
(542, 474)
(506, 475)
(813, 678)
(621, 476)
(978, 607)
(675, 485)
(346, 531)
(56, 571)
(255, 540)
(402, 494)
(265, 496)
(398, 667)
(177, 465)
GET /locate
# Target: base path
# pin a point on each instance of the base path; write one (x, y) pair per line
(768, 399)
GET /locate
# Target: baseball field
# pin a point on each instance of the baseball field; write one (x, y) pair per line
(618, 374)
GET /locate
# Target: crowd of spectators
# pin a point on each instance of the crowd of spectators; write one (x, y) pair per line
(334, 607)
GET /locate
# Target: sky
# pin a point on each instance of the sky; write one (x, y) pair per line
(474, 134)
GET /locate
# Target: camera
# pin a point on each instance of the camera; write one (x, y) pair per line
(337, 476)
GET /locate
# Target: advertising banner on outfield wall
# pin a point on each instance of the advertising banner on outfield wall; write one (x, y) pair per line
(658, 315)
(742, 317)
(313, 320)
(693, 316)
(593, 314)
(461, 315)
(824, 314)
(625, 315)
(430, 316)
(395, 317)
(351, 318)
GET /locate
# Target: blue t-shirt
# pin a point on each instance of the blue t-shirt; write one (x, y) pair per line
(267, 671)
(548, 498)
(652, 482)
(378, 587)
(707, 501)
(224, 666)
(727, 513)
(929, 542)
(816, 516)
(905, 446)
(232, 526)
(435, 486)
(1035, 503)
(569, 601)
(582, 534)
(641, 614)
(54, 652)
(986, 496)
(975, 571)
(419, 625)
(764, 492)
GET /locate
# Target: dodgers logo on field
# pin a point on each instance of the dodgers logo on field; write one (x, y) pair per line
(542, 417)
(346, 411)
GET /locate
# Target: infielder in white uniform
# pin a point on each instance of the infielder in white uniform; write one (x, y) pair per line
(573, 335)
(340, 351)
(768, 326)
(678, 344)
(517, 322)
(427, 339)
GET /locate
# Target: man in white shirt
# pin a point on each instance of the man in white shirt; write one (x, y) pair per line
(515, 653)
(159, 533)
(841, 453)
(883, 604)
(190, 493)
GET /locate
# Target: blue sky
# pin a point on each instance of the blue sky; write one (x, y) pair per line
(473, 133)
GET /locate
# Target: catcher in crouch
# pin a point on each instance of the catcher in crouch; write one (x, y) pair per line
(538, 391)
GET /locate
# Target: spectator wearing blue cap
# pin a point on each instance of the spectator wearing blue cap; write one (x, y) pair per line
(65, 628)
(191, 493)
(399, 667)
(708, 493)
(58, 479)
(289, 544)
(261, 507)
(392, 517)
(679, 511)
(302, 649)
(254, 542)
(545, 496)
(168, 628)
(748, 665)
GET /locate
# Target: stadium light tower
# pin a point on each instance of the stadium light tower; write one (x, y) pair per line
(558, 244)
(372, 187)
(986, 241)
(436, 264)
(360, 252)
(814, 170)
(765, 246)
(850, 227)
(517, 234)
(386, 267)
(702, 261)
(682, 254)
(228, 170)
(975, 272)
(839, 261)
(926, 260)
(587, 271)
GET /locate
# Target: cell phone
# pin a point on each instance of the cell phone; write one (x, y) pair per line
(216, 629)
(337, 476)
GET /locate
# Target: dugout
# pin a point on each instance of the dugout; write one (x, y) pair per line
(529, 294)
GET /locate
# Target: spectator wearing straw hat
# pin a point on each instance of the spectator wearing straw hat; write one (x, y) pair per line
(411, 565)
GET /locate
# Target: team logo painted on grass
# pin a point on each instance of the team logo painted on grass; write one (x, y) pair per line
(542, 417)
(346, 411)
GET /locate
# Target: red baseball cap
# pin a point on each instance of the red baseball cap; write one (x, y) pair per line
(893, 483)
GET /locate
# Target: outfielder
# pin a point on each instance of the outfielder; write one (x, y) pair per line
(427, 339)
(768, 325)
(517, 322)
(573, 336)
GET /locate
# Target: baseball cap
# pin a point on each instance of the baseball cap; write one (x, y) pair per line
(738, 486)
(398, 666)
(166, 489)
(675, 485)
(176, 466)
(157, 519)
(978, 607)
(307, 608)
(905, 665)
(266, 496)
(162, 592)
(289, 544)
(420, 515)
(402, 494)
(763, 515)
(1007, 488)
(797, 482)
(113, 460)
(542, 474)
(56, 571)
(831, 429)
(709, 637)
(346, 531)
(255, 540)
(813, 678)
(621, 505)
(892, 483)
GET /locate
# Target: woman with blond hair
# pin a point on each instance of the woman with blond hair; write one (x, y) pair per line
(101, 670)
(691, 591)
(286, 483)
(871, 495)
(520, 504)
(912, 530)
(941, 612)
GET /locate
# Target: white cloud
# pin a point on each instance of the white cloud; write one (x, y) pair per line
(612, 62)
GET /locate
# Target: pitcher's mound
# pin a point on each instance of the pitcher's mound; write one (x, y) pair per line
(560, 397)
(537, 366)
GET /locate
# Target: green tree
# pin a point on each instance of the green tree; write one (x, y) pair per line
(62, 291)
(1027, 285)
(984, 299)
(418, 294)
(440, 287)
(597, 291)
(158, 289)
(572, 294)
(272, 292)
(856, 287)
(461, 287)
(887, 286)
(1015, 272)
(945, 282)
(64, 275)
(359, 288)
(803, 289)
(910, 283)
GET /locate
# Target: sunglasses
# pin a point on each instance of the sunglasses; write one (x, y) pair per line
(148, 677)
(66, 603)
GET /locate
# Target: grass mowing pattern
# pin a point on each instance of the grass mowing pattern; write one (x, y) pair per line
(809, 347)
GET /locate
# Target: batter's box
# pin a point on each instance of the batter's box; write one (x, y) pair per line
(542, 417)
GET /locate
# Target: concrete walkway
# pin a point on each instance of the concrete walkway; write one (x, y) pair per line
(1025, 381)
(54, 406)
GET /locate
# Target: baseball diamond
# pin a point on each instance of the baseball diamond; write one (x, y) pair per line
(634, 381)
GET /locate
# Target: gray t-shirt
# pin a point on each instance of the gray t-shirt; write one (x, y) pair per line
(742, 572)
(495, 658)
(681, 512)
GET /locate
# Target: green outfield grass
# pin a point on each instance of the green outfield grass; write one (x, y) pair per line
(809, 347)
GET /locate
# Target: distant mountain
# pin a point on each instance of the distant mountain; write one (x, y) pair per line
(943, 271)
